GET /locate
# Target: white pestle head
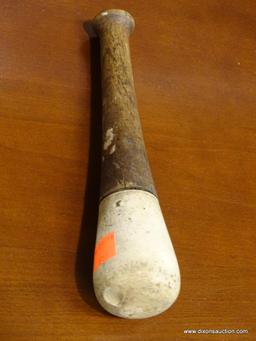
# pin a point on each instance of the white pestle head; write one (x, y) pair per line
(136, 274)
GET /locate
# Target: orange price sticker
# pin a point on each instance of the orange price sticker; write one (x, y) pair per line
(104, 250)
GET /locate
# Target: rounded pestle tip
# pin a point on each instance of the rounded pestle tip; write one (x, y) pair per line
(140, 277)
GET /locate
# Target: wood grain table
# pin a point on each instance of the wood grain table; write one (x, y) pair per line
(195, 75)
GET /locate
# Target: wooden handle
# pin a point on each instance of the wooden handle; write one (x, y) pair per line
(124, 160)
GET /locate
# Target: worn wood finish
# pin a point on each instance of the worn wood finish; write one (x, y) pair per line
(194, 69)
(124, 159)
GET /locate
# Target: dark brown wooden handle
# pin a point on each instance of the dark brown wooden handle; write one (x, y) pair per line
(124, 160)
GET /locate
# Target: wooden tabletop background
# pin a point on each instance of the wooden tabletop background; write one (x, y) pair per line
(195, 76)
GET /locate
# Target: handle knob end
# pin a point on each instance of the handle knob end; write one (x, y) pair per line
(114, 15)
